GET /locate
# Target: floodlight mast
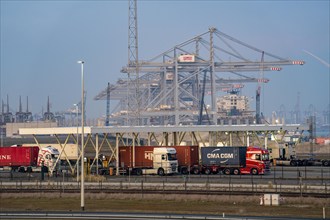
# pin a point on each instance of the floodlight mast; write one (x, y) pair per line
(82, 185)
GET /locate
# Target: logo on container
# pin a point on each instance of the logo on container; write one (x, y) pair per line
(214, 154)
(148, 155)
(5, 157)
(222, 155)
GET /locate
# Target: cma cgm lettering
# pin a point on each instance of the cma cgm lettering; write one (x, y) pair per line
(222, 155)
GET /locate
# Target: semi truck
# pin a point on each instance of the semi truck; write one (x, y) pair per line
(285, 155)
(228, 160)
(257, 161)
(148, 160)
(28, 158)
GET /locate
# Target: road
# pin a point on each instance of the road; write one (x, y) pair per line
(289, 181)
(279, 175)
(130, 216)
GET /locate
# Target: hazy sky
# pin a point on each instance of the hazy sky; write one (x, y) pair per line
(41, 42)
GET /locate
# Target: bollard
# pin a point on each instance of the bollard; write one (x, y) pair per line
(142, 189)
(42, 172)
(261, 200)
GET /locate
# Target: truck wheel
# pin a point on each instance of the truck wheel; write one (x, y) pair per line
(138, 172)
(161, 172)
(293, 163)
(196, 171)
(236, 171)
(254, 171)
(44, 169)
(305, 162)
(207, 171)
(184, 170)
(21, 170)
(325, 163)
(226, 171)
(29, 169)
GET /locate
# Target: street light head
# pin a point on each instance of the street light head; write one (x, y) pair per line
(81, 62)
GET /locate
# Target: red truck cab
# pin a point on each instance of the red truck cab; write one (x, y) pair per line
(257, 161)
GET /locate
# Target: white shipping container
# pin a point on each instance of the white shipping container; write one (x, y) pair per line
(70, 150)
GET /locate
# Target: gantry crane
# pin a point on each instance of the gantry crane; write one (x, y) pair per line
(167, 88)
(170, 84)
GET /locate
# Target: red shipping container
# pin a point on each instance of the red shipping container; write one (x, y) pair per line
(143, 156)
(322, 140)
(19, 156)
(187, 155)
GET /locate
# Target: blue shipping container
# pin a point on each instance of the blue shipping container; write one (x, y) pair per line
(224, 156)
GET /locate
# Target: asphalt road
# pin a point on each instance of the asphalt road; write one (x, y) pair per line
(123, 216)
(312, 175)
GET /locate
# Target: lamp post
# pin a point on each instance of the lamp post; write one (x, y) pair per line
(82, 187)
(77, 124)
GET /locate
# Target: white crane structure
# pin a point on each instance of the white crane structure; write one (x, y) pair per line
(170, 83)
(168, 88)
(318, 58)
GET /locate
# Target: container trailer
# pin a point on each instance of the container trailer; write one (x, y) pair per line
(285, 155)
(28, 158)
(229, 160)
(188, 158)
(148, 160)
(221, 159)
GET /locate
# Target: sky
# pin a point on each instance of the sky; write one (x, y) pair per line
(41, 42)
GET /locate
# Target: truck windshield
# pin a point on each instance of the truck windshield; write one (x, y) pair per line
(171, 156)
(265, 156)
(55, 156)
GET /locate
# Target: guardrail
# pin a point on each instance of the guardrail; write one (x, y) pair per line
(207, 188)
(278, 175)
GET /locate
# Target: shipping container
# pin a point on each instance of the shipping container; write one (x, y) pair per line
(188, 156)
(148, 160)
(143, 156)
(207, 160)
(224, 156)
(70, 151)
(18, 156)
(190, 161)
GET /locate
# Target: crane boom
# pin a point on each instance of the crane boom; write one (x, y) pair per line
(318, 58)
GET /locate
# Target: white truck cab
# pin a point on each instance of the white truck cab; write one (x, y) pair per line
(165, 160)
(48, 157)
